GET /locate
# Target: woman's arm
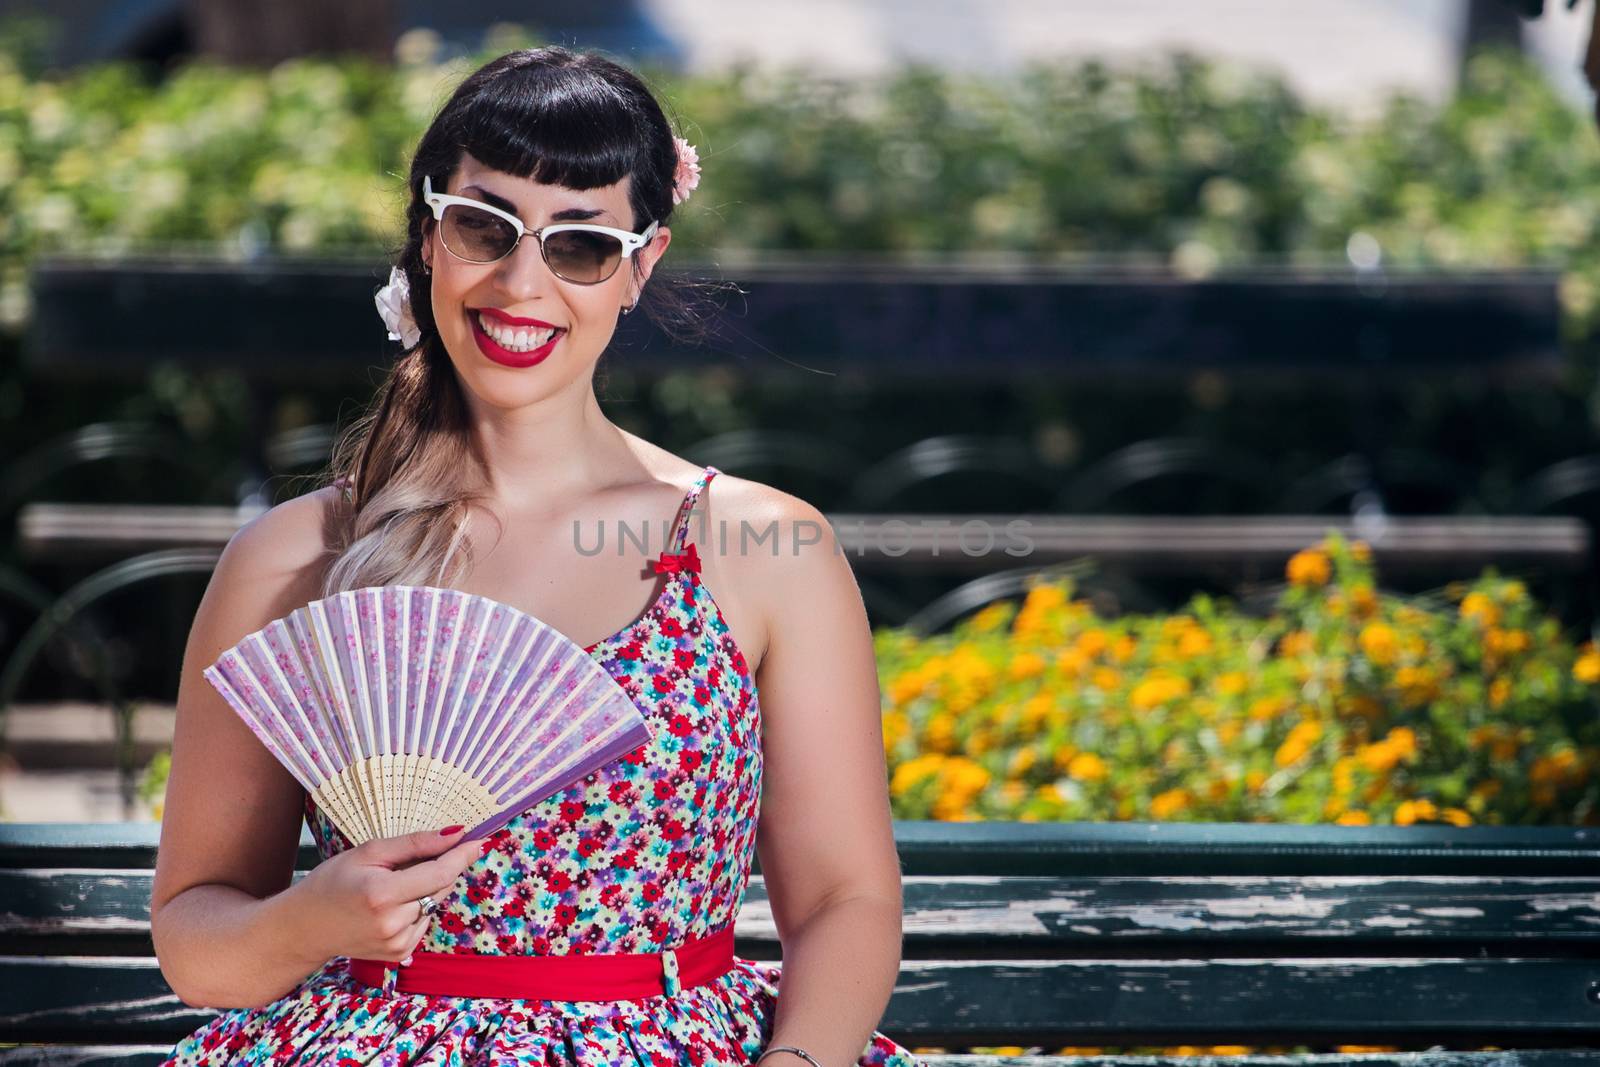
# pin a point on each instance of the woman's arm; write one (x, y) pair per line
(825, 838)
(222, 915)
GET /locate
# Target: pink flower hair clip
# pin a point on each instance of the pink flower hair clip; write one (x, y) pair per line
(687, 176)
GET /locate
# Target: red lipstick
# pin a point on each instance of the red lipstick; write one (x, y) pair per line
(504, 356)
(512, 320)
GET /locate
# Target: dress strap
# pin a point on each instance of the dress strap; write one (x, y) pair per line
(681, 523)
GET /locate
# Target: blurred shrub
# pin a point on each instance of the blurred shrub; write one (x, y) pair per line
(1195, 162)
(1343, 705)
(1185, 161)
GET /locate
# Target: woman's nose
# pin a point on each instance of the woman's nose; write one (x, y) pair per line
(523, 272)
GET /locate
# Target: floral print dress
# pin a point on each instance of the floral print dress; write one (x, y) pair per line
(651, 849)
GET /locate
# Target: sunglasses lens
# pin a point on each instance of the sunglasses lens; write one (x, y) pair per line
(477, 235)
(583, 256)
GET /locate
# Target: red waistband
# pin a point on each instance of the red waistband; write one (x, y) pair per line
(608, 976)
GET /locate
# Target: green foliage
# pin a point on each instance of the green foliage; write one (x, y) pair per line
(1191, 161)
(152, 786)
(1343, 705)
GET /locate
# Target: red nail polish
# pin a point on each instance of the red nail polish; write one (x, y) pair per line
(448, 830)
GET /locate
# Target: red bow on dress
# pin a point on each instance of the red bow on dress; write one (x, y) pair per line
(684, 561)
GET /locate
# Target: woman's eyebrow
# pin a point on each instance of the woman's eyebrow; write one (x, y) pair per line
(564, 215)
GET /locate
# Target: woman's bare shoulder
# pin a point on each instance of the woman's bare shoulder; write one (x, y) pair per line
(291, 544)
(299, 529)
(763, 538)
(758, 519)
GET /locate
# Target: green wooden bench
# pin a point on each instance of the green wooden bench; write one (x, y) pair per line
(1456, 945)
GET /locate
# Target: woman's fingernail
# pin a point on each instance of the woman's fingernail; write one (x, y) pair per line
(448, 830)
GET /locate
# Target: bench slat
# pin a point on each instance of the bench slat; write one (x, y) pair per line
(84, 1055)
(84, 912)
(1024, 1002)
(1141, 849)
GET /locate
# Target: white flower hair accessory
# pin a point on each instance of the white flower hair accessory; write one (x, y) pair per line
(394, 305)
(687, 175)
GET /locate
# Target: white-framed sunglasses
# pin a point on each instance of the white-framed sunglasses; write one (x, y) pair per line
(579, 252)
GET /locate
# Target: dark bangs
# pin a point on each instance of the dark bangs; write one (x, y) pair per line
(563, 125)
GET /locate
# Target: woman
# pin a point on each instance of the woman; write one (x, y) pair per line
(485, 449)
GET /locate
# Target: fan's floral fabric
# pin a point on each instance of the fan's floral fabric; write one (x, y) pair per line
(648, 851)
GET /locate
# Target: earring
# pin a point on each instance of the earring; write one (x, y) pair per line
(629, 309)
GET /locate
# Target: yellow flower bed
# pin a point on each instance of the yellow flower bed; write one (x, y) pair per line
(1344, 705)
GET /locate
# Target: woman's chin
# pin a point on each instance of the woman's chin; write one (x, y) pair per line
(503, 388)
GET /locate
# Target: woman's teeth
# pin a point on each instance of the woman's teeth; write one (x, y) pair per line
(515, 339)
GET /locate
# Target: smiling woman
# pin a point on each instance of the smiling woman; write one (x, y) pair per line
(596, 927)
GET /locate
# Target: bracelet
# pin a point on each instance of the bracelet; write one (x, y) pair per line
(789, 1048)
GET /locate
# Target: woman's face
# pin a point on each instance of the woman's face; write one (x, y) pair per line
(522, 286)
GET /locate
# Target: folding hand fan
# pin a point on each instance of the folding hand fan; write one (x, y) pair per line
(404, 707)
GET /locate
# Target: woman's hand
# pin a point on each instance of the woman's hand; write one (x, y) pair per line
(362, 903)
